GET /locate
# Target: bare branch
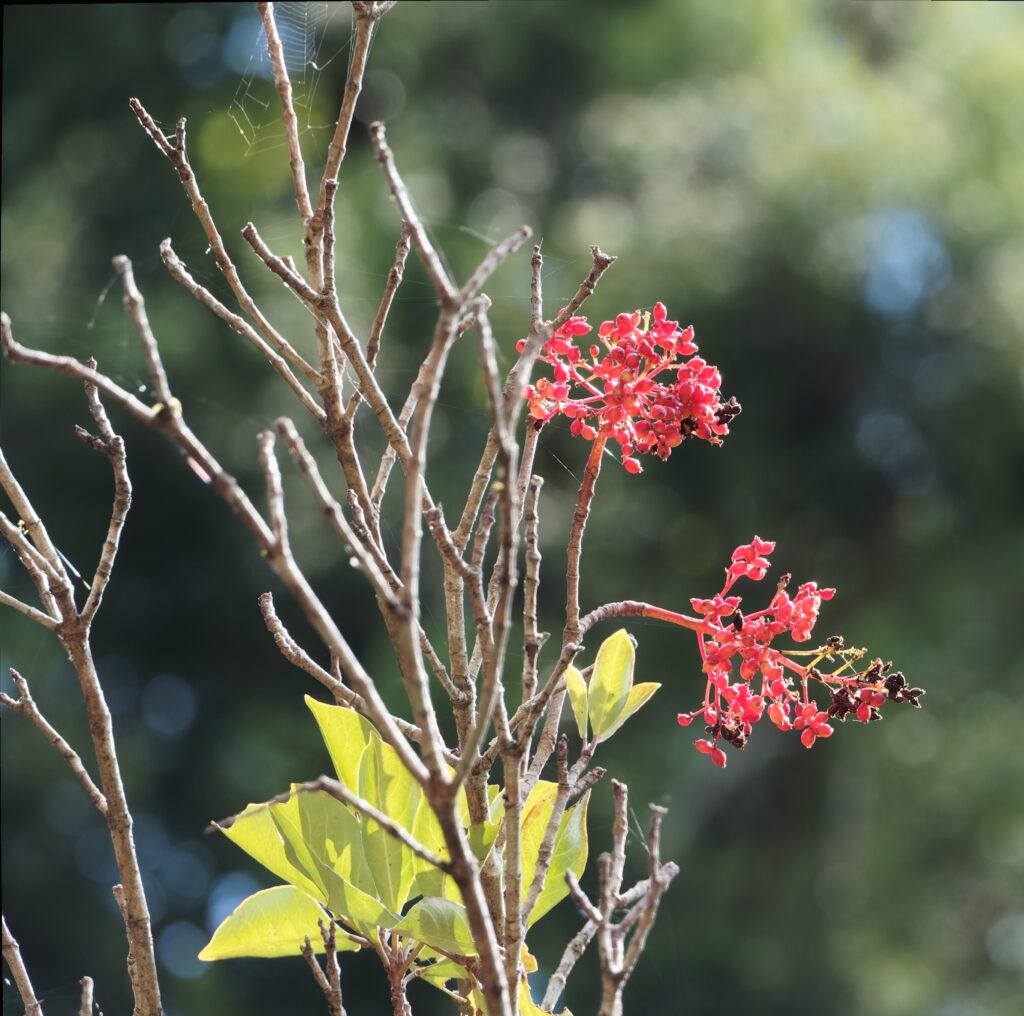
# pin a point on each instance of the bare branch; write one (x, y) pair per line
(276, 357)
(536, 291)
(371, 562)
(520, 373)
(176, 153)
(17, 353)
(30, 523)
(137, 311)
(85, 1005)
(513, 866)
(26, 705)
(328, 932)
(411, 401)
(446, 289)
(291, 123)
(328, 309)
(547, 845)
(575, 949)
(12, 954)
(533, 640)
(365, 22)
(31, 612)
(491, 262)
(340, 792)
(112, 446)
(309, 955)
(344, 696)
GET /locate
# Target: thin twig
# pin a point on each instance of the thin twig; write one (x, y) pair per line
(180, 273)
(365, 22)
(328, 932)
(12, 954)
(491, 261)
(112, 446)
(536, 290)
(291, 123)
(575, 949)
(309, 955)
(547, 845)
(388, 459)
(533, 639)
(26, 705)
(343, 695)
(176, 152)
(86, 1004)
(137, 311)
(446, 289)
(30, 523)
(29, 611)
(340, 792)
(17, 353)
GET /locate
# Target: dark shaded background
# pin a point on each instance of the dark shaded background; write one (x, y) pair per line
(832, 192)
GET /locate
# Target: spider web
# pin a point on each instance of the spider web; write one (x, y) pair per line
(313, 37)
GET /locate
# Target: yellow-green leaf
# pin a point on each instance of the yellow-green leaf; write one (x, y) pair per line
(274, 922)
(287, 817)
(332, 834)
(357, 909)
(440, 972)
(610, 682)
(536, 812)
(527, 1006)
(346, 734)
(568, 854)
(256, 832)
(638, 695)
(577, 689)
(388, 785)
(439, 923)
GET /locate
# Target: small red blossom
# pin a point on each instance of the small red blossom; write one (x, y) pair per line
(634, 388)
(748, 676)
(813, 724)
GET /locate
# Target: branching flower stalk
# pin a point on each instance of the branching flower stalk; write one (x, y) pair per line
(412, 852)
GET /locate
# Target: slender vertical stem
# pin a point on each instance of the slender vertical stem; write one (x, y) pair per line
(579, 522)
(513, 930)
(12, 954)
(291, 123)
(142, 958)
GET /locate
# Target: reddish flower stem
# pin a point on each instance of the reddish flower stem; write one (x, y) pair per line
(579, 523)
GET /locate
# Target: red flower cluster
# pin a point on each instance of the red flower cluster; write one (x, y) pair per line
(614, 392)
(727, 637)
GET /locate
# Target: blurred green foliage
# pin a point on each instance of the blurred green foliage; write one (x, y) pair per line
(831, 191)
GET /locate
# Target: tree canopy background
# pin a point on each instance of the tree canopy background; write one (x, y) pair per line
(831, 191)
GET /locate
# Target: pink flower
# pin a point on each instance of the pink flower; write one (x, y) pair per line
(636, 390)
(774, 681)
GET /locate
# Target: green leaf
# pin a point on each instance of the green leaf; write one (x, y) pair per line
(568, 854)
(333, 836)
(273, 922)
(346, 734)
(577, 689)
(441, 972)
(388, 785)
(483, 834)
(357, 909)
(288, 818)
(256, 832)
(536, 812)
(439, 923)
(638, 695)
(610, 682)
